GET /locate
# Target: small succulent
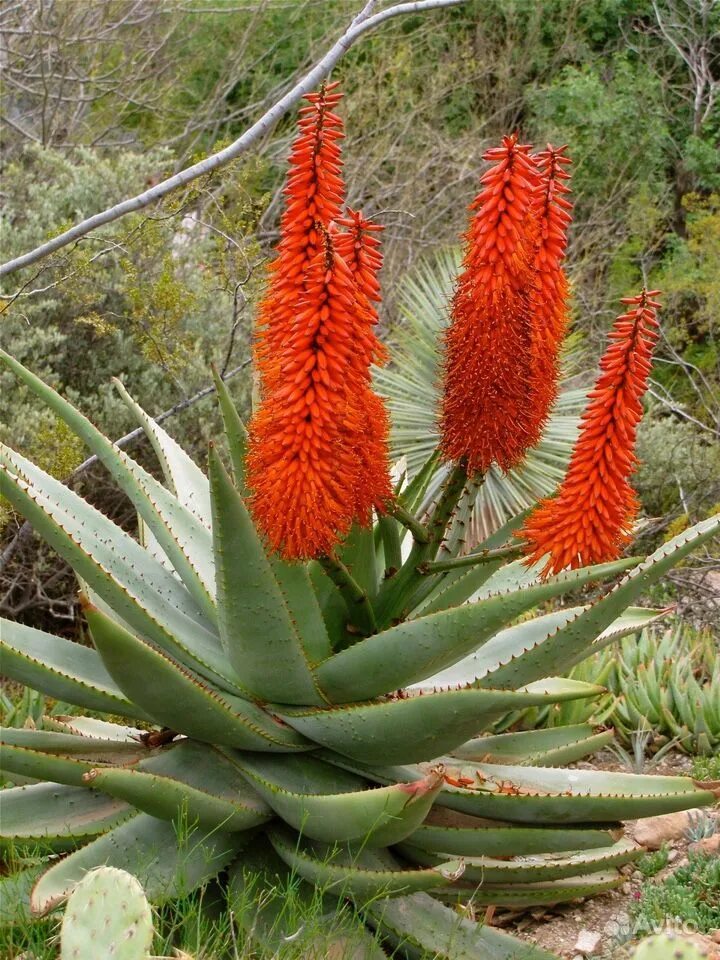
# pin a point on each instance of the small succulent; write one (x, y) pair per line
(701, 825)
(670, 682)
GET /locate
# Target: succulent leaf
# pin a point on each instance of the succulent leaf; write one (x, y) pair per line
(538, 748)
(59, 668)
(255, 616)
(326, 803)
(419, 727)
(186, 780)
(413, 650)
(45, 815)
(142, 591)
(421, 926)
(179, 699)
(358, 873)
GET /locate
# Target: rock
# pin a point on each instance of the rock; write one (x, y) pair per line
(710, 846)
(588, 942)
(706, 945)
(626, 888)
(673, 855)
(654, 831)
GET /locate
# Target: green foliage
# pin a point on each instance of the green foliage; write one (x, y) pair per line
(152, 303)
(689, 896)
(653, 862)
(706, 768)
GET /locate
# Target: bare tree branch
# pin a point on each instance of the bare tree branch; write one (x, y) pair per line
(361, 24)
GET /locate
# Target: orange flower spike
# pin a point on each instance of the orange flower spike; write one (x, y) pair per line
(590, 518)
(303, 467)
(485, 416)
(314, 195)
(549, 306)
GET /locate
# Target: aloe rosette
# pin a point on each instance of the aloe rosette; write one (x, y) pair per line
(245, 697)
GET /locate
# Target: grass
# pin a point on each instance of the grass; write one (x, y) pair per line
(279, 921)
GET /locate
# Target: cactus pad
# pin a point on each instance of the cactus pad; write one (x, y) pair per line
(107, 917)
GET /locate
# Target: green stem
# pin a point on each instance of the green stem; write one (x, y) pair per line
(359, 608)
(417, 529)
(470, 560)
(395, 593)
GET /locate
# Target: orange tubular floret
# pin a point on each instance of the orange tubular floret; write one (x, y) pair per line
(590, 518)
(550, 292)
(486, 417)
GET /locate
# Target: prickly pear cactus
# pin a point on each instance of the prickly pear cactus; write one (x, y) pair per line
(107, 916)
(667, 946)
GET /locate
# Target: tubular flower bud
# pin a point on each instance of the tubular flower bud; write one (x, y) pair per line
(359, 248)
(485, 414)
(590, 518)
(314, 195)
(549, 305)
(304, 462)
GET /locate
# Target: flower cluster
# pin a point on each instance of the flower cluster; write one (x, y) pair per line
(589, 520)
(318, 457)
(508, 312)
(318, 447)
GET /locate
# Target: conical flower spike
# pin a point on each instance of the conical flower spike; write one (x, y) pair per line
(589, 520)
(550, 294)
(314, 193)
(486, 417)
(304, 469)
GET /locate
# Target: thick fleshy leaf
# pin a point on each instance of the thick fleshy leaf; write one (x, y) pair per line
(544, 893)
(180, 700)
(420, 727)
(539, 748)
(509, 645)
(235, 433)
(573, 642)
(326, 803)
(549, 795)
(142, 591)
(48, 816)
(458, 834)
(166, 863)
(188, 780)
(410, 651)
(422, 927)
(256, 621)
(357, 873)
(531, 869)
(181, 536)
(61, 669)
(183, 476)
(62, 758)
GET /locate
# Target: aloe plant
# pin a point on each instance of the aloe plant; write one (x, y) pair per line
(235, 692)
